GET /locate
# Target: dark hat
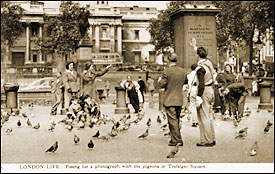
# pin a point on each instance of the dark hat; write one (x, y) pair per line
(172, 57)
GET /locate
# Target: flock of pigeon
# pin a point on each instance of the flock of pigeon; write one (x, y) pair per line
(122, 125)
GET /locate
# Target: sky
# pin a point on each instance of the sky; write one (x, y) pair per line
(160, 5)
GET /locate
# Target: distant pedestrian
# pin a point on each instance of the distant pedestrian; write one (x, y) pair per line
(142, 88)
(107, 88)
(172, 81)
(134, 95)
(57, 90)
(205, 75)
(151, 89)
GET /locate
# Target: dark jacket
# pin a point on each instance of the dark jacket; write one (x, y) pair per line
(236, 90)
(172, 81)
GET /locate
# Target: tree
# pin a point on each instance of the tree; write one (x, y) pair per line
(161, 28)
(65, 31)
(238, 21)
(11, 27)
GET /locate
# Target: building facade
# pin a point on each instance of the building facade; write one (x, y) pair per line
(117, 34)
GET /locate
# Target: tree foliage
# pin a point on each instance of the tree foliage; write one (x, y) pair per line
(63, 32)
(161, 28)
(239, 20)
(11, 27)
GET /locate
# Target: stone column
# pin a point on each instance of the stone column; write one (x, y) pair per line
(121, 107)
(112, 37)
(119, 41)
(97, 37)
(265, 95)
(27, 56)
(40, 35)
(196, 23)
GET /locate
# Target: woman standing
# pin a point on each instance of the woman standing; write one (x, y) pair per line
(89, 75)
(70, 83)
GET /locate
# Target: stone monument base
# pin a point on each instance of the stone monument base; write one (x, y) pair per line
(122, 110)
(265, 106)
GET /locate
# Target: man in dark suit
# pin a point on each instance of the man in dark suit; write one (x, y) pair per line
(57, 89)
(172, 81)
(142, 88)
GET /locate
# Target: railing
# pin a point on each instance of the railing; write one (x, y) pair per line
(31, 70)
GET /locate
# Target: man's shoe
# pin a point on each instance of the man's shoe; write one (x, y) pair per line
(213, 143)
(205, 144)
(174, 144)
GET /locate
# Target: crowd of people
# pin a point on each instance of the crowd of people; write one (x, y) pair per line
(208, 91)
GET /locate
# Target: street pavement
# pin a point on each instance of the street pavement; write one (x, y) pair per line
(26, 145)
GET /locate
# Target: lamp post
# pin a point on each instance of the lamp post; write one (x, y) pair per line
(258, 46)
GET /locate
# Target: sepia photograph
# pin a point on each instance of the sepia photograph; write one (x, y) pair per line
(137, 86)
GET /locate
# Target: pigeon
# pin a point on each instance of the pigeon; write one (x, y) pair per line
(91, 144)
(24, 115)
(158, 120)
(241, 136)
(166, 134)
(53, 148)
(174, 151)
(235, 123)
(69, 127)
(9, 130)
(96, 134)
(113, 133)
(268, 125)
(76, 139)
(243, 130)
(52, 127)
(145, 134)
(117, 125)
(128, 117)
(105, 137)
(136, 120)
(18, 123)
(254, 149)
(163, 127)
(148, 122)
(91, 125)
(37, 126)
(29, 123)
(62, 121)
(30, 106)
(247, 112)
(163, 115)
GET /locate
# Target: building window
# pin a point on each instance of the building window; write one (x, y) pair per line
(123, 34)
(34, 57)
(102, 2)
(147, 8)
(136, 34)
(152, 56)
(34, 32)
(104, 33)
(131, 8)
